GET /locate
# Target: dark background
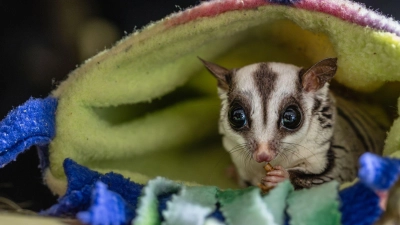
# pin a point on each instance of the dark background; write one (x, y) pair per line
(42, 41)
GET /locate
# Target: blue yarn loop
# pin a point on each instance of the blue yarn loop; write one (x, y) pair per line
(32, 123)
(378, 173)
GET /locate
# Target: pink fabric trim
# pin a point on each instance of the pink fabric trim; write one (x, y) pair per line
(213, 8)
(353, 13)
(344, 9)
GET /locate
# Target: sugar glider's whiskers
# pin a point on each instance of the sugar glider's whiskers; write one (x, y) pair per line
(285, 115)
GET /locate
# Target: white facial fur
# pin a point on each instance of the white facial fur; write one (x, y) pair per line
(302, 149)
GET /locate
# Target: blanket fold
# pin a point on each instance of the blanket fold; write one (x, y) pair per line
(162, 109)
(136, 126)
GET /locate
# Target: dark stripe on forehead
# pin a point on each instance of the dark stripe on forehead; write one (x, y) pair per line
(264, 80)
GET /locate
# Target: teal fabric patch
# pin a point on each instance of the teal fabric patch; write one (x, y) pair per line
(147, 212)
(276, 200)
(315, 206)
(245, 206)
(191, 206)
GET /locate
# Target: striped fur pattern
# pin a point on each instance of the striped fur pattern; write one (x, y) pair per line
(332, 135)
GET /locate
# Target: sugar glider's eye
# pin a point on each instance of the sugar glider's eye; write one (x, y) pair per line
(291, 117)
(237, 116)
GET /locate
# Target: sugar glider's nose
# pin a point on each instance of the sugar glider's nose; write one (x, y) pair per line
(264, 153)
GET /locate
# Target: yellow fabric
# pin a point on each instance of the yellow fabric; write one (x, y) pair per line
(20, 219)
(147, 106)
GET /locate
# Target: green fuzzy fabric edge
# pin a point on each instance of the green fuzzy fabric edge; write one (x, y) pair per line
(159, 60)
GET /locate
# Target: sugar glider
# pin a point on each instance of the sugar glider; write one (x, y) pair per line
(285, 115)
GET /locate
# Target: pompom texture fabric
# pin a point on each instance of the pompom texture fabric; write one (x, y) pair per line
(82, 193)
(98, 199)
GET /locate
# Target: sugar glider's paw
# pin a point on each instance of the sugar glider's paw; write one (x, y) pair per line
(274, 177)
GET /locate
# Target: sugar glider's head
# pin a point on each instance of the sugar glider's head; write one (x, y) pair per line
(269, 107)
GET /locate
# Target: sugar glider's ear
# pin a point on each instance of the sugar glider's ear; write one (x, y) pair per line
(317, 75)
(223, 75)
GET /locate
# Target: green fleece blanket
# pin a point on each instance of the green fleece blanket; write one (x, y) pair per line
(148, 108)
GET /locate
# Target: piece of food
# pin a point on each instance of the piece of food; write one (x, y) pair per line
(268, 167)
(265, 189)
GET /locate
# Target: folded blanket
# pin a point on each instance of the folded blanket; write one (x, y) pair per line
(121, 109)
(112, 199)
(147, 108)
